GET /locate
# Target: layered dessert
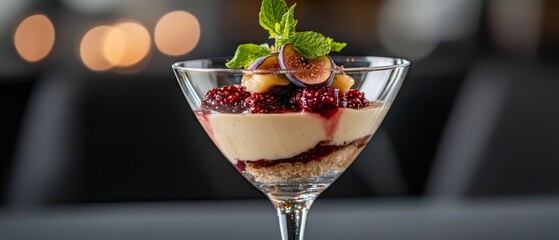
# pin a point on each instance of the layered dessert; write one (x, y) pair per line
(279, 147)
(294, 116)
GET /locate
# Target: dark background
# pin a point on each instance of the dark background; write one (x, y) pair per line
(476, 116)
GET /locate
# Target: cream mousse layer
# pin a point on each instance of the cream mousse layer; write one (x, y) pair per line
(253, 137)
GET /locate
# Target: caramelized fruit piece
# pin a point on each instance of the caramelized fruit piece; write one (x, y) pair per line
(318, 71)
(259, 83)
(342, 82)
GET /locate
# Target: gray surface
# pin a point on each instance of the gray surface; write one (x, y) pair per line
(535, 218)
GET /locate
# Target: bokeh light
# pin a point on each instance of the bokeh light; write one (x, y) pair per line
(127, 44)
(113, 46)
(34, 37)
(177, 33)
(91, 49)
(121, 45)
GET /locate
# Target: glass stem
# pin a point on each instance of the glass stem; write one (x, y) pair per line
(292, 216)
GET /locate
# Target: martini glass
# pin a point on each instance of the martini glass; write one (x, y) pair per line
(293, 157)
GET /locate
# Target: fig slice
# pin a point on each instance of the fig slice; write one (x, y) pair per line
(315, 72)
(264, 82)
(269, 62)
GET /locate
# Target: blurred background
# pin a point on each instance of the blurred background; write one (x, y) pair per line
(90, 110)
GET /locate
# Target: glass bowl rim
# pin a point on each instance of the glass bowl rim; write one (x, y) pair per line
(399, 63)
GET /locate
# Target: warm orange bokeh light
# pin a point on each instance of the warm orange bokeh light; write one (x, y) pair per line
(126, 44)
(122, 45)
(91, 49)
(34, 37)
(177, 33)
(113, 46)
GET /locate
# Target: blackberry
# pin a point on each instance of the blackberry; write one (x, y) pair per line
(265, 103)
(226, 99)
(316, 99)
(353, 98)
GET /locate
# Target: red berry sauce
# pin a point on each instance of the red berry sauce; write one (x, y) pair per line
(313, 154)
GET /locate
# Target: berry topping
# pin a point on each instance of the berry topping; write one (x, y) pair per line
(226, 99)
(354, 99)
(316, 99)
(265, 103)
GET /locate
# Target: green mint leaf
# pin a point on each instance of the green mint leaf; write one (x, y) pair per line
(271, 14)
(280, 42)
(277, 28)
(311, 44)
(288, 23)
(286, 27)
(247, 53)
(336, 46)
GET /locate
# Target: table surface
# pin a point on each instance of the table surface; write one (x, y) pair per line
(528, 218)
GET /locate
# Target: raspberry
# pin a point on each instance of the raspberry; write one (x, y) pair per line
(354, 99)
(226, 99)
(265, 103)
(316, 99)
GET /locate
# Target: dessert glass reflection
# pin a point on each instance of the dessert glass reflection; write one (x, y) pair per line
(296, 142)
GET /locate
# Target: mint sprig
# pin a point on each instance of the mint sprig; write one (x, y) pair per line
(286, 26)
(336, 46)
(271, 13)
(311, 44)
(247, 53)
(281, 24)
